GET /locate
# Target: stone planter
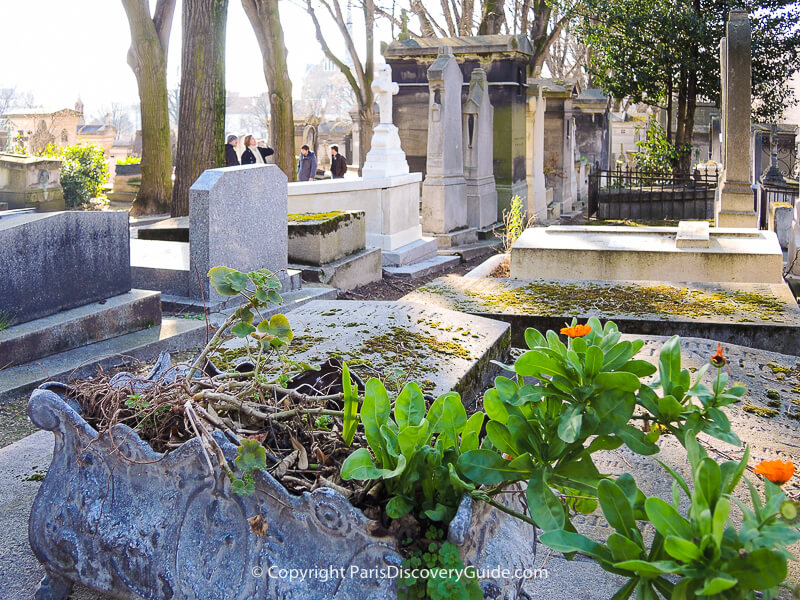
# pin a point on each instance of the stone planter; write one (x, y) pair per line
(114, 515)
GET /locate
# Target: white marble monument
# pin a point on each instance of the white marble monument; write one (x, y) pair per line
(385, 157)
(478, 131)
(539, 197)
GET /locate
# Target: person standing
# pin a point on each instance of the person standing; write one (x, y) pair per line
(265, 150)
(231, 159)
(306, 165)
(252, 154)
(338, 164)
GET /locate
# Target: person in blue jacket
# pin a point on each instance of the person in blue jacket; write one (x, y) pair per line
(306, 165)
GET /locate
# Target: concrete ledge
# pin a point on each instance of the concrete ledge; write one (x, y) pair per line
(301, 188)
(422, 249)
(470, 251)
(95, 322)
(172, 335)
(437, 264)
(455, 238)
(760, 316)
(346, 273)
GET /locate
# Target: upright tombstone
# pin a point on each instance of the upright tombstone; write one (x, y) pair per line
(444, 197)
(478, 153)
(385, 157)
(794, 246)
(734, 207)
(238, 218)
(537, 189)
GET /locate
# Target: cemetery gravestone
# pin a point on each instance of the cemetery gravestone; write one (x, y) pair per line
(444, 203)
(478, 131)
(385, 157)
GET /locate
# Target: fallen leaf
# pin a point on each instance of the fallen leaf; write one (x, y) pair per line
(321, 458)
(302, 459)
(258, 525)
(285, 465)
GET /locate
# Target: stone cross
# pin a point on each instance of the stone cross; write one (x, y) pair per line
(384, 88)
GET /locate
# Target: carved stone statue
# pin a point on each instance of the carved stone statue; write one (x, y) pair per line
(384, 88)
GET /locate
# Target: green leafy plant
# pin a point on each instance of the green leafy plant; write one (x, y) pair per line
(415, 453)
(130, 160)
(251, 457)
(350, 420)
(6, 320)
(657, 154)
(84, 172)
(514, 223)
(443, 558)
(702, 548)
(589, 388)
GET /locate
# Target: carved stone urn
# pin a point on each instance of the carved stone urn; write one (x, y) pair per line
(122, 519)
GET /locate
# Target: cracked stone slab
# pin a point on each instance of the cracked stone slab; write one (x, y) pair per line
(756, 315)
(441, 349)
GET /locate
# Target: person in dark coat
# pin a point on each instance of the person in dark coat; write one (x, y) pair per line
(338, 163)
(265, 150)
(306, 165)
(231, 159)
(252, 154)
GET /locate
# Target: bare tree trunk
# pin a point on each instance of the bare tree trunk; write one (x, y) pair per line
(201, 131)
(265, 18)
(147, 58)
(493, 17)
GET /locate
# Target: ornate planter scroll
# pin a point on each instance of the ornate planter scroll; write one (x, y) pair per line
(114, 515)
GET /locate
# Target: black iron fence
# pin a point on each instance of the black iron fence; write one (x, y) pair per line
(631, 194)
(768, 195)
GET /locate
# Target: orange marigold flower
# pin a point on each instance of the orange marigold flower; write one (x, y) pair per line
(719, 360)
(777, 471)
(576, 331)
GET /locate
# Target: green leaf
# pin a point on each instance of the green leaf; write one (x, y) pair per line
(277, 327)
(732, 472)
(681, 549)
(251, 456)
(636, 441)
(470, 437)
(501, 438)
(535, 363)
(494, 407)
(544, 507)
(219, 279)
(622, 381)
(374, 413)
(243, 488)
(669, 363)
(567, 541)
(398, 506)
(669, 409)
(359, 466)
(721, 512)
(409, 408)
(640, 368)
(648, 569)
(569, 426)
(242, 330)
(237, 281)
(350, 421)
(604, 442)
(506, 388)
(666, 519)
(708, 480)
(717, 585)
(488, 468)
(614, 409)
(594, 361)
(534, 339)
(245, 315)
(274, 297)
(623, 548)
(413, 436)
(616, 507)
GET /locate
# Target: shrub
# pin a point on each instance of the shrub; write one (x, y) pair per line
(657, 152)
(130, 160)
(84, 172)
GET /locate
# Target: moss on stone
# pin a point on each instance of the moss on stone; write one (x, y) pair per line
(760, 411)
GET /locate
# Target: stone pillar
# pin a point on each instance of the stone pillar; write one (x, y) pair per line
(573, 165)
(567, 159)
(478, 132)
(444, 198)
(537, 190)
(355, 153)
(385, 157)
(716, 149)
(734, 207)
(227, 206)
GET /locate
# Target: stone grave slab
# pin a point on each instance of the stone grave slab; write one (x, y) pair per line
(757, 315)
(767, 420)
(440, 349)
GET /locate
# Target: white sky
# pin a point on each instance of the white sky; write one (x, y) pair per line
(60, 49)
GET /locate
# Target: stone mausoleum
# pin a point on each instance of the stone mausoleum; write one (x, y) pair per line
(505, 59)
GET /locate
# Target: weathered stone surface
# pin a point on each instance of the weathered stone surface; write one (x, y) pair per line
(238, 218)
(622, 253)
(735, 197)
(31, 181)
(478, 131)
(761, 316)
(51, 262)
(385, 157)
(94, 322)
(318, 239)
(354, 270)
(441, 349)
(444, 203)
(122, 519)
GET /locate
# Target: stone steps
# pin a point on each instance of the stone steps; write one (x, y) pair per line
(469, 251)
(436, 264)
